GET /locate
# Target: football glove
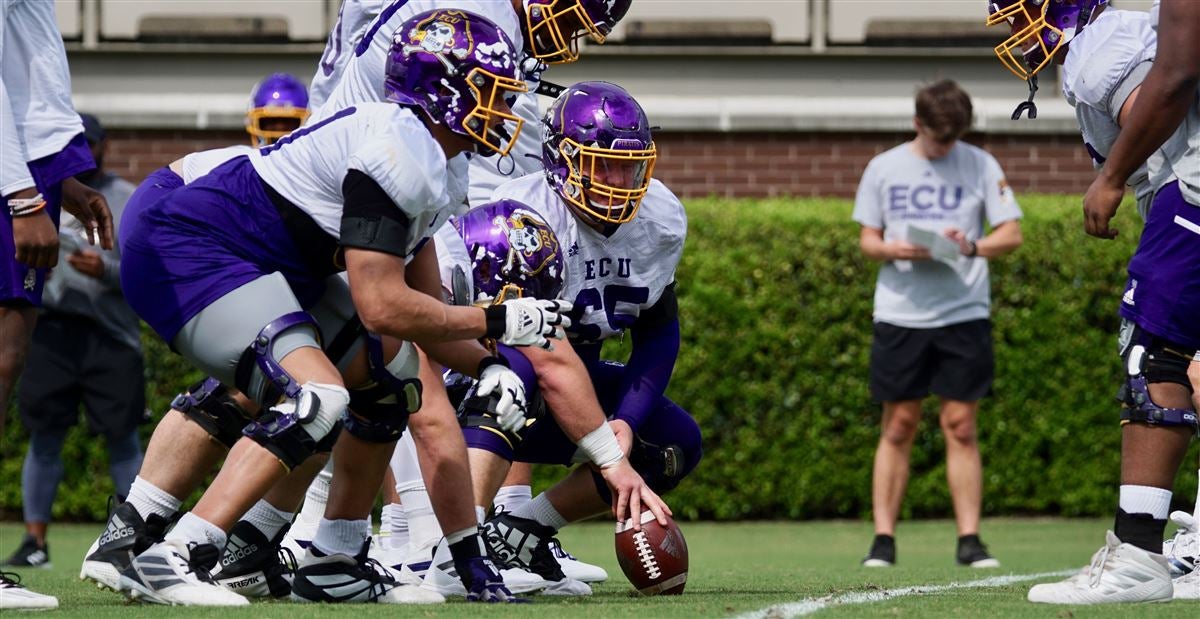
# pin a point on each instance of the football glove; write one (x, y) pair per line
(510, 411)
(527, 322)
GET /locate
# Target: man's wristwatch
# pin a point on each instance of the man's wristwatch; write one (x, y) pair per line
(973, 249)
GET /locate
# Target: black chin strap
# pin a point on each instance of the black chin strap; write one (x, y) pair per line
(1028, 104)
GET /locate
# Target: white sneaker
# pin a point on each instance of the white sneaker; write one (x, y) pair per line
(342, 578)
(443, 578)
(299, 537)
(410, 564)
(574, 568)
(1183, 550)
(176, 573)
(1187, 587)
(13, 596)
(1118, 573)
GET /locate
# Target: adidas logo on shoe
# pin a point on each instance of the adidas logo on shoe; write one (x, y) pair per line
(237, 549)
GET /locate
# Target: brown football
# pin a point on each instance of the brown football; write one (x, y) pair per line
(654, 559)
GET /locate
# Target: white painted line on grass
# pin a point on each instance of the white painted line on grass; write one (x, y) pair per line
(812, 605)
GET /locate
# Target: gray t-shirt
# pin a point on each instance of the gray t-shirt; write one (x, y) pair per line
(900, 189)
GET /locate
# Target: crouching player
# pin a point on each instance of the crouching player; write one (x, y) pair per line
(622, 235)
(224, 267)
(1105, 56)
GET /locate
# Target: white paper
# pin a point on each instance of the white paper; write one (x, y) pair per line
(940, 248)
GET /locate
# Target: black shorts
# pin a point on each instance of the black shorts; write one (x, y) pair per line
(953, 362)
(72, 361)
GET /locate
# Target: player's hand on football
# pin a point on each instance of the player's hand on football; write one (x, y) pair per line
(903, 250)
(91, 209)
(36, 240)
(1100, 205)
(510, 411)
(631, 496)
(88, 262)
(528, 322)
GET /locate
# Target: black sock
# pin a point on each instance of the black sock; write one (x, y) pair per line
(1141, 530)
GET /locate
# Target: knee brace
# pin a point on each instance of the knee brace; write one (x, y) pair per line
(381, 409)
(297, 429)
(1150, 359)
(258, 373)
(209, 405)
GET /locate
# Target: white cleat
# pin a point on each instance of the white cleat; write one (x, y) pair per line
(340, 578)
(1119, 572)
(1187, 587)
(443, 578)
(13, 596)
(176, 573)
(409, 564)
(567, 587)
(1183, 550)
(299, 536)
(574, 568)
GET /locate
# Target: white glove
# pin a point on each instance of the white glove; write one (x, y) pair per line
(510, 411)
(527, 322)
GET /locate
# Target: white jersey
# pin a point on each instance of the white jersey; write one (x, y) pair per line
(899, 190)
(37, 118)
(353, 18)
(1104, 65)
(200, 163)
(612, 279)
(488, 173)
(385, 142)
(452, 256)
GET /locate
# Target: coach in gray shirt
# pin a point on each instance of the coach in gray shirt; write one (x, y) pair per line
(86, 349)
(923, 207)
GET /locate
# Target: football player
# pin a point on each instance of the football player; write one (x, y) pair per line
(622, 234)
(278, 106)
(223, 268)
(1105, 56)
(42, 148)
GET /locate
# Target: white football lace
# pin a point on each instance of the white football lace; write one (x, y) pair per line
(1097, 568)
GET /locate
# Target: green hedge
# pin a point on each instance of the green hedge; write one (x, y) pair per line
(776, 306)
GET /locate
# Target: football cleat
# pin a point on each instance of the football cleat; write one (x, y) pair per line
(973, 553)
(1183, 550)
(574, 568)
(1187, 587)
(521, 543)
(125, 536)
(177, 573)
(409, 563)
(442, 576)
(253, 566)
(13, 596)
(882, 552)
(1118, 572)
(340, 578)
(29, 554)
(299, 537)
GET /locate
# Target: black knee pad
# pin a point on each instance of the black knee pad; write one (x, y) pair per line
(208, 404)
(381, 410)
(1150, 359)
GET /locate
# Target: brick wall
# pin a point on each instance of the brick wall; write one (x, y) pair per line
(724, 164)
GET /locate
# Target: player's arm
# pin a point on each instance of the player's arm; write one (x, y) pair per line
(652, 361)
(1166, 95)
(870, 241)
(1004, 238)
(566, 387)
(374, 234)
(34, 236)
(463, 356)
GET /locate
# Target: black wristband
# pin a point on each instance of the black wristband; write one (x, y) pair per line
(497, 320)
(974, 250)
(489, 361)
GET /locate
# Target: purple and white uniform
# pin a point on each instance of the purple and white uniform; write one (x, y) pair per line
(226, 229)
(41, 136)
(353, 18)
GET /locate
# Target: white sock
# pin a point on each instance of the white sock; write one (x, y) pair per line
(344, 537)
(316, 497)
(423, 528)
(395, 522)
(193, 528)
(1145, 500)
(541, 510)
(510, 498)
(148, 499)
(480, 514)
(268, 519)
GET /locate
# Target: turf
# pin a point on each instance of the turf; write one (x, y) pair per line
(735, 568)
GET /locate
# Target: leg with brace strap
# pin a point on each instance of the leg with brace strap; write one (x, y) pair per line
(1149, 359)
(209, 405)
(381, 408)
(308, 415)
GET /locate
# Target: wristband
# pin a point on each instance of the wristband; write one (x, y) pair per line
(497, 321)
(601, 446)
(20, 207)
(488, 362)
(974, 251)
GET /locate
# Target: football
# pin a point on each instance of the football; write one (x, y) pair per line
(654, 559)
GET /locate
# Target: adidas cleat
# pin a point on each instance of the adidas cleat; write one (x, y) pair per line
(520, 543)
(1183, 550)
(442, 576)
(574, 568)
(1118, 573)
(14, 596)
(254, 567)
(124, 537)
(340, 578)
(176, 573)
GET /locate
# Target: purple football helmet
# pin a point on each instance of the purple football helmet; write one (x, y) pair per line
(513, 252)
(554, 27)
(1039, 29)
(458, 68)
(598, 152)
(278, 105)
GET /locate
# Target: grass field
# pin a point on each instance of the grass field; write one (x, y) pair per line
(735, 569)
